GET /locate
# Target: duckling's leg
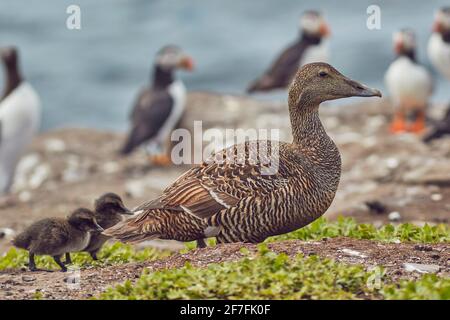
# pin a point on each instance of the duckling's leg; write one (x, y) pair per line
(68, 258)
(419, 122)
(201, 243)
(398, 124)
(59, 263)
(31, 262)
(94, 255)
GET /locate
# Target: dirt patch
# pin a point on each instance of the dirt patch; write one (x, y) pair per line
(23, 284)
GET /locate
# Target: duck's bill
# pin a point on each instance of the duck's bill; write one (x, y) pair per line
(361, 90)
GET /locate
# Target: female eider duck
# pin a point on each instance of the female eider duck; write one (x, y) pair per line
(236, 199)
(19, 117)
(310, 47)
(409, 83)
(439, 43)
(159, 107)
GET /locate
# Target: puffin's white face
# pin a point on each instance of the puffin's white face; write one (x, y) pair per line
(442, 20)
(313, 23)
(404, 40)
(171, 57)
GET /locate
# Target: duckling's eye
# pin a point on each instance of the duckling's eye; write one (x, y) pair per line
(323, 74)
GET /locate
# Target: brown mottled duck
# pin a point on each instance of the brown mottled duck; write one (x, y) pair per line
(235, 200)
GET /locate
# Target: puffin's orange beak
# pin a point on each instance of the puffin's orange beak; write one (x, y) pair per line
(187, 63)
(398, 47)
(324, 30)
(437, 27)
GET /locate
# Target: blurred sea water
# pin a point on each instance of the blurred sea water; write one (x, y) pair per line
(89, 77)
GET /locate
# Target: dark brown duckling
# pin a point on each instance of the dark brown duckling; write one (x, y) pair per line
(109, 209)
(56, 236)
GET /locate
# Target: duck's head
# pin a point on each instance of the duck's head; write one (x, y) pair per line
(442, 21)
(318, 82)
(313, 23)
(110, 204)
(84, 219)
(405, 42)
(172, 57)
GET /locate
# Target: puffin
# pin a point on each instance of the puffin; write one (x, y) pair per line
(260, 188)
(439, 42)
(159, 106)
(311, 46)
(439, 55)
(409, 83)
(20, 110)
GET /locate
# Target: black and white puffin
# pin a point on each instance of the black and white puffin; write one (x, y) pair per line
(439, 43)
(20, 110)
(159, 107)
(409, 83)
(310, 47)
(439, 55)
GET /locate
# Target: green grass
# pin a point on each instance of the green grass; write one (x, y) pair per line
(348, 227)
(109, 254)
(276, 276)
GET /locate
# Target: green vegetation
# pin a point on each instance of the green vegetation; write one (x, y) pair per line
(348, 227)
(276, 276)
(110, 254)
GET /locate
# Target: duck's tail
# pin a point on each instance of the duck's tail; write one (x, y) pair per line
(133, 230)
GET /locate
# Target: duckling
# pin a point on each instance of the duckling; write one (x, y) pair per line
(310, 47)
(409, 83)
(258, 189)
(56, 236)
(109, 209)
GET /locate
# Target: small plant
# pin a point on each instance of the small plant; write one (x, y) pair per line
(347, 227)
(110, 254)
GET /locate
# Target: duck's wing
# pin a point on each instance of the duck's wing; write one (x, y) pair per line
(150, 112)
(205, 190)
(280, 73)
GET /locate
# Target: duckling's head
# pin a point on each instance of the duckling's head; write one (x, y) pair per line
(84, 219)
(110, 204)
(318, 82)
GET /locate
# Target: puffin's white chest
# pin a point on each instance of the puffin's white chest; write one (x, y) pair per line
(439, 54)
(177, 91)
(19, 121)
(315, 53)
(410, 84)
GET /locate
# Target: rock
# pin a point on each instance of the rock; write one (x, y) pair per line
(55, 145)
(422, 247)
(394, 216)
(27, 278)
(353, 253)
(421, 268)
(436, 197)
(6, 233)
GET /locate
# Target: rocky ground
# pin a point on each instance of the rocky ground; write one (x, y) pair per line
(385, 178)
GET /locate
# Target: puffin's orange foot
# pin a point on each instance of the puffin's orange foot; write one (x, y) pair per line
(161, 160)
(417, 126)
(398, 125)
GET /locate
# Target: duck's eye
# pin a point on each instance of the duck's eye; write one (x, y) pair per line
(323, 74)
